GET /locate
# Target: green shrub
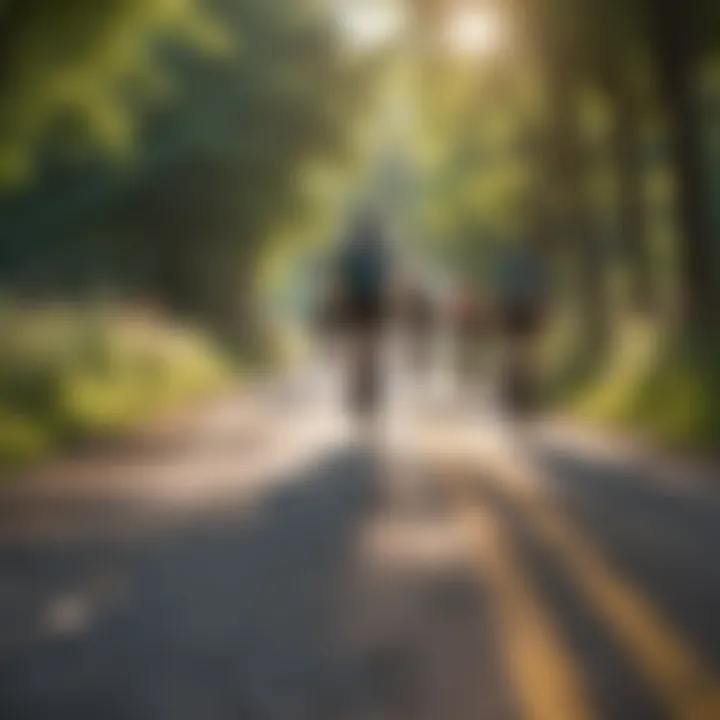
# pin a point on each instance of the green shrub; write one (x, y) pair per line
(663, 386)
(68, 373)
(21, 439)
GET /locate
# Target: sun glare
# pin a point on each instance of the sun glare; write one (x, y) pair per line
(475, 32)
(369, 24)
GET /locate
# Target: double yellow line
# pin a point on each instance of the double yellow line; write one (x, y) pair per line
(547, 682)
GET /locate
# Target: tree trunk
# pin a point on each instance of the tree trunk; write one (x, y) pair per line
(628, 164)
(575, 221)
(676, 52)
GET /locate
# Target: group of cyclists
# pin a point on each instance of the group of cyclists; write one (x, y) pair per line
(368, 291)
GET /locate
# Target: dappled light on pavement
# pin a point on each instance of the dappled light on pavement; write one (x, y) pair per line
(435, 571)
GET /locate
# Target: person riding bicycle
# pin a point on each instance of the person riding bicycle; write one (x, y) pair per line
(471, 320)
(520, 308)
(419, 309)
(362, 273)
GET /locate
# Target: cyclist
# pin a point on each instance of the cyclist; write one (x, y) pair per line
(420, 313)
(472, 321)
(521, 297)
(362, 271)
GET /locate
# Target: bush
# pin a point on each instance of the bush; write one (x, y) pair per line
(663, 386)
(68, 373)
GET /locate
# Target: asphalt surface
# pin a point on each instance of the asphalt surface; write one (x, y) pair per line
(254, 560)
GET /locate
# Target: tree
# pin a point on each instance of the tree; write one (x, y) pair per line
(214, 172)
(79, 69)
(223, 168)
(676, 32)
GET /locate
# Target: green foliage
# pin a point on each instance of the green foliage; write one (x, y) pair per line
(661, 387)
(595, 138)
(589, 135)
(67, 373)
(79, 69)
(218, 174)
(229, 167)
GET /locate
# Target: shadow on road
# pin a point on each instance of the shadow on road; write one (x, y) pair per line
(661, 537)
(275, 610)
(230, 615)
(613, 686)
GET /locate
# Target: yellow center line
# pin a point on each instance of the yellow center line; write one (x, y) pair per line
(688, 689)
(541, 669)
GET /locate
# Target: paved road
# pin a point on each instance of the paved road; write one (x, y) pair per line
(251, 561)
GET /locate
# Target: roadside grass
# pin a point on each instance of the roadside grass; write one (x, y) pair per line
(662, 386)
(69, 373)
